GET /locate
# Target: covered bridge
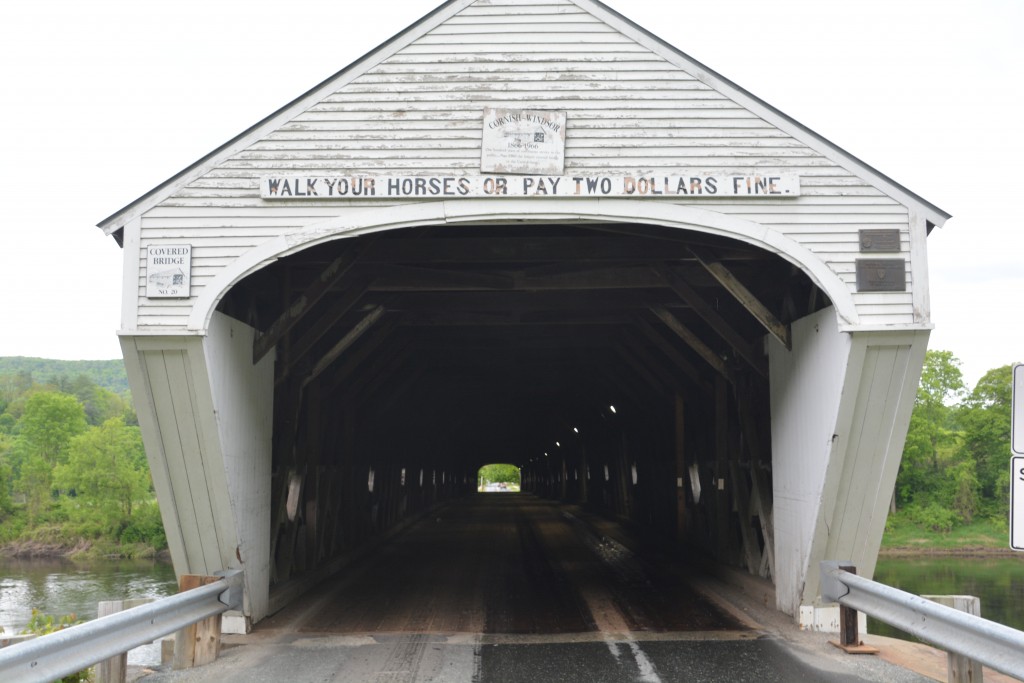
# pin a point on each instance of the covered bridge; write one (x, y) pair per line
(526, 232)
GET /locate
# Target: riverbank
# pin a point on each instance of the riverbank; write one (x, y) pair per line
(965, 551)
(81, 550)
(982, 538)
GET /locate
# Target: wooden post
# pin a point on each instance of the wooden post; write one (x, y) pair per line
(960, 668)
(680, 448)
(198, 644)
(115, 669)
(849, 636)
(584, 492)
(723, 548)
(625, 481)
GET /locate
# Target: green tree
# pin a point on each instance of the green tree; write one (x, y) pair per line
(985, 420)
(99, 404)
(5, 478)
(46, 427)
(499, 474)
(104, 473)
(942, 387)
(34, 483)
(932, 432)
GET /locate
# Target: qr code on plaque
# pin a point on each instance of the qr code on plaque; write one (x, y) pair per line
(538, 137)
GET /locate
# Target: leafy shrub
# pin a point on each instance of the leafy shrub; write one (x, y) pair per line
(145, 526)
(933, 516)
(42, 624)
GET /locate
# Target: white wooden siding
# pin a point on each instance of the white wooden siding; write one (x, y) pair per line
(630, 110)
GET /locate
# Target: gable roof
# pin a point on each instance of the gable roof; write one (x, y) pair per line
(935, 216)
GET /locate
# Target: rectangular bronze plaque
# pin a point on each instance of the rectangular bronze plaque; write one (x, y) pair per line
(882, 240)
(881, 275)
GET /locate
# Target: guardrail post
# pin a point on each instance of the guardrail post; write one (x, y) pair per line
(849, 628)
(115, 669)
(199, 643)
(960, 668)
(848, 631)
(993, 645)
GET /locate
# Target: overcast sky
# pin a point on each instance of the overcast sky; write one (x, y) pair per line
(103, 100)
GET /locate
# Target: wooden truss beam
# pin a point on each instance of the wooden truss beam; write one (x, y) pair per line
(301, 345)
(706, 311)
(743, 295)
(671, 352)
(372, 343)
(693, 341)
(302, 305)
(350, 338)
(460, 250)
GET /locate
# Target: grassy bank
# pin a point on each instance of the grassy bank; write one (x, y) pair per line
(56, 536)
(982, 536)
(81, 550)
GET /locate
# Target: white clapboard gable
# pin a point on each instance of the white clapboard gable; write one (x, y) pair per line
(634, 105)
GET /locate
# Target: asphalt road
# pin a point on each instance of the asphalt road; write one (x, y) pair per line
(507, 588)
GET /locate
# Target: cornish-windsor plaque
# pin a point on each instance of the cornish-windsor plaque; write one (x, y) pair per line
(520, 141)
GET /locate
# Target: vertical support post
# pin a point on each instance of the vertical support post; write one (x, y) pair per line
(564, 477)
(625, 482)
(680, 448)
(849, 636)
(198, 644)
(848, 628)
(960, 668)
(583, 474)
(721, 526)
(115, 669)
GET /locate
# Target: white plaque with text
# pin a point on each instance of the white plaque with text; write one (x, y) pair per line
(168, 271)
(519, 141)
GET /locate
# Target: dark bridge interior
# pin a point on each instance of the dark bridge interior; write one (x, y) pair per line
(620, 366)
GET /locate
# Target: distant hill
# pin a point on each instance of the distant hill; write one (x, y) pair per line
(108, 374)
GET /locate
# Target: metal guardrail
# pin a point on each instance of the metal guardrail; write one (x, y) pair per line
(55, 655)
(994, 645)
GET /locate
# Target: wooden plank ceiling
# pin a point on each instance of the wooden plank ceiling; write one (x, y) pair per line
(496, 330)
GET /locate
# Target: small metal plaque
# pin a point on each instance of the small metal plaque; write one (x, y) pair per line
(884, 241)
(881, 275)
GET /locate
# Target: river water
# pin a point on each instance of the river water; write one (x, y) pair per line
(998, 581)
(61, 587)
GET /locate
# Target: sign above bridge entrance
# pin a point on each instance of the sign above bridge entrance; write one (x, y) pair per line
(688, 185)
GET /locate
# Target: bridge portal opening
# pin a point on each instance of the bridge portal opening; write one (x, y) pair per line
(621, 367)
(499, 478)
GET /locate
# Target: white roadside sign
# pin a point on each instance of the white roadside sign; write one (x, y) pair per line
(1017, 460)
(1017, 411)
(1017, 502)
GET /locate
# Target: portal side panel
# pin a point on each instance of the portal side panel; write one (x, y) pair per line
(805, 394)
(170, 383)
(179, 520)
(841, 405)
(884, 373)
(243, 396)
